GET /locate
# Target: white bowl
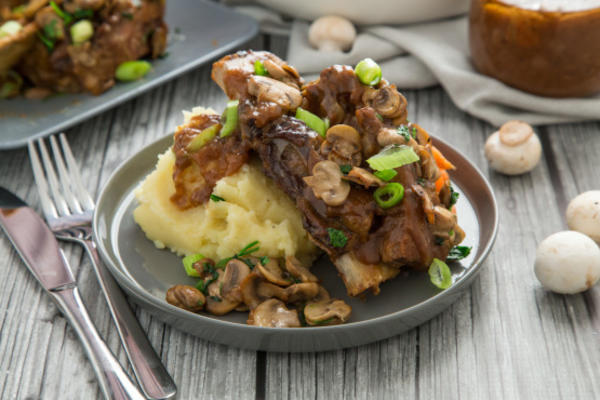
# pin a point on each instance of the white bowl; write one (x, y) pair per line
(366, 12)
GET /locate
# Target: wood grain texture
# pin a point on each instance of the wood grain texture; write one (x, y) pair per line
(505, 338)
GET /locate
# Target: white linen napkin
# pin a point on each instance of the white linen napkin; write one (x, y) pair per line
(421, 55)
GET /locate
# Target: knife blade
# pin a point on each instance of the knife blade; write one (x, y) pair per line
(34, 242)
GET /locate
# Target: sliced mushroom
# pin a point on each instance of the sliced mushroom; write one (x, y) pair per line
(363, 177)
(426, 202)
(301, 292)
(343, 145)
(327, 184)
(282, 72)
(327, 312)
(445, 220)
(273, 313)
(200, 267)
(255, 290)
(186, 297)
(387, 101)
(429, 167)
(298, 271)
(269, 89)
(272, 272)
(215, 302)
(322, 295)
(388, 136)
(235, 272)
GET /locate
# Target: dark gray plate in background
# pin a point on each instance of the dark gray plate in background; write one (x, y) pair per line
(206, 30)
(146, 272)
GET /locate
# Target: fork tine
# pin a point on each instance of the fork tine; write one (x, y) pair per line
(59, 201)
(84, 197)
(40, 180)
(65, 180)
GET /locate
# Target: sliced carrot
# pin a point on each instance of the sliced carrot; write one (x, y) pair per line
(442, 180)
(441, 161)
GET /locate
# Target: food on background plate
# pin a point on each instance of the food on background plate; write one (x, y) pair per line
(372, 191)
(77, 46)
(545, 47)
(514, 149)
(583, 214)
(567, 262)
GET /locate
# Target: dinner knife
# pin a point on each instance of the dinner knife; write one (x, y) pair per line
(39, 250)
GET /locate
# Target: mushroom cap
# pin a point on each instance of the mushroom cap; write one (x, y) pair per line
(255, 290)
(298, 271)
(235, 272)
(567, 262)
(583, 214)
(272, 272)
(331, 33)
(273, 313)
(327, 312)
(186, 297)
(327, 184)
(269, 89)
(302, 291)
(514, 149)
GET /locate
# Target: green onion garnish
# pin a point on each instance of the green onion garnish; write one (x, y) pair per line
(458, 253)
(393, 156)
(312, 121)
(188, 264)
(440, 274)
(453, 197)
(389, 195)
(386, 174)
(345, 168)
(79, 14)
(203, 137)
(64, 15)
(259, 68)
(249, 249)
(368, 72)
(337, 238)
(216, 198)
(231, 118)
(10, 28)
(81, 31)
(132, 70)
(49, 43)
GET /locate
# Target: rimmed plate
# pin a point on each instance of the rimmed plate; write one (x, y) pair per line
(200, 31)
(146, 272)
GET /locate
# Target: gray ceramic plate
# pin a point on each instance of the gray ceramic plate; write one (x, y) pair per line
(146, 272)
(200, 31)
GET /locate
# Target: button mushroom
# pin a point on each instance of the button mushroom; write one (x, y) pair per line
(327, 184)
(387, 101)
(327, 312)
(567, 262)
(583, 214)
(255, 290)
(272, 272)
(388, 136)
(301, 292)
(514, 149)
(342, 145)
(331, 33)
(216, 303)
(298, 271)
(268, 89)
(282, 72)
(186, 297)
(273, 313)
(235, 272)
(363, 177)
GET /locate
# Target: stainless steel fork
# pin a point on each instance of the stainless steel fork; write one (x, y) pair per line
(68, 209)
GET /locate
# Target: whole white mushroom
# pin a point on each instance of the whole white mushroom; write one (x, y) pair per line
(331, 33)
(514, 149)
(567, 262)
(583, 214)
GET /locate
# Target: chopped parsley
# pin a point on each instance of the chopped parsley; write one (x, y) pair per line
(209, 270)
(264, 260)
(345, 168)
(47, 42)
(403, 131)
(215, 298)
(337, 238)
(421, 181)
(216, 198)
(80, 14)
(453, 197)
(127, 15)
(458, 253)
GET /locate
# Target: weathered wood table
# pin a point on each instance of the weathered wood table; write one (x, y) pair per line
(506, 338)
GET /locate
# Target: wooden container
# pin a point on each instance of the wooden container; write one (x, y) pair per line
(545, 47)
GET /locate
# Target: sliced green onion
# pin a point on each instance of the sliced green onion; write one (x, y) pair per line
(386, 174)
(132, 70)
(231, 118)
(440, 274)
(10, 28)
(259, 68)
(389, 195)
(82, 31)
(312, 121)
(393, 156)
(188, 264)
(368, 72)
(203, 137)
(64, 15)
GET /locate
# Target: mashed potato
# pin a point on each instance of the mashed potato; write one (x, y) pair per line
(254, 209)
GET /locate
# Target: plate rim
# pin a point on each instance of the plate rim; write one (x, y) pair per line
(135, 291)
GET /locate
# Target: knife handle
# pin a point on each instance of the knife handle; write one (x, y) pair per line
(154, 380)
(113, 380)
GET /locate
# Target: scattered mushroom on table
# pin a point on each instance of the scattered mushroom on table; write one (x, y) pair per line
(332, 33)
(514, 149)
(583, 214)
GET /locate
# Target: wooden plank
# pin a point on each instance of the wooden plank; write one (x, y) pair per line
(505, 338)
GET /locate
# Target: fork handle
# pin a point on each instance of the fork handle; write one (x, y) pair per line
(155, 381)
(113, 380)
